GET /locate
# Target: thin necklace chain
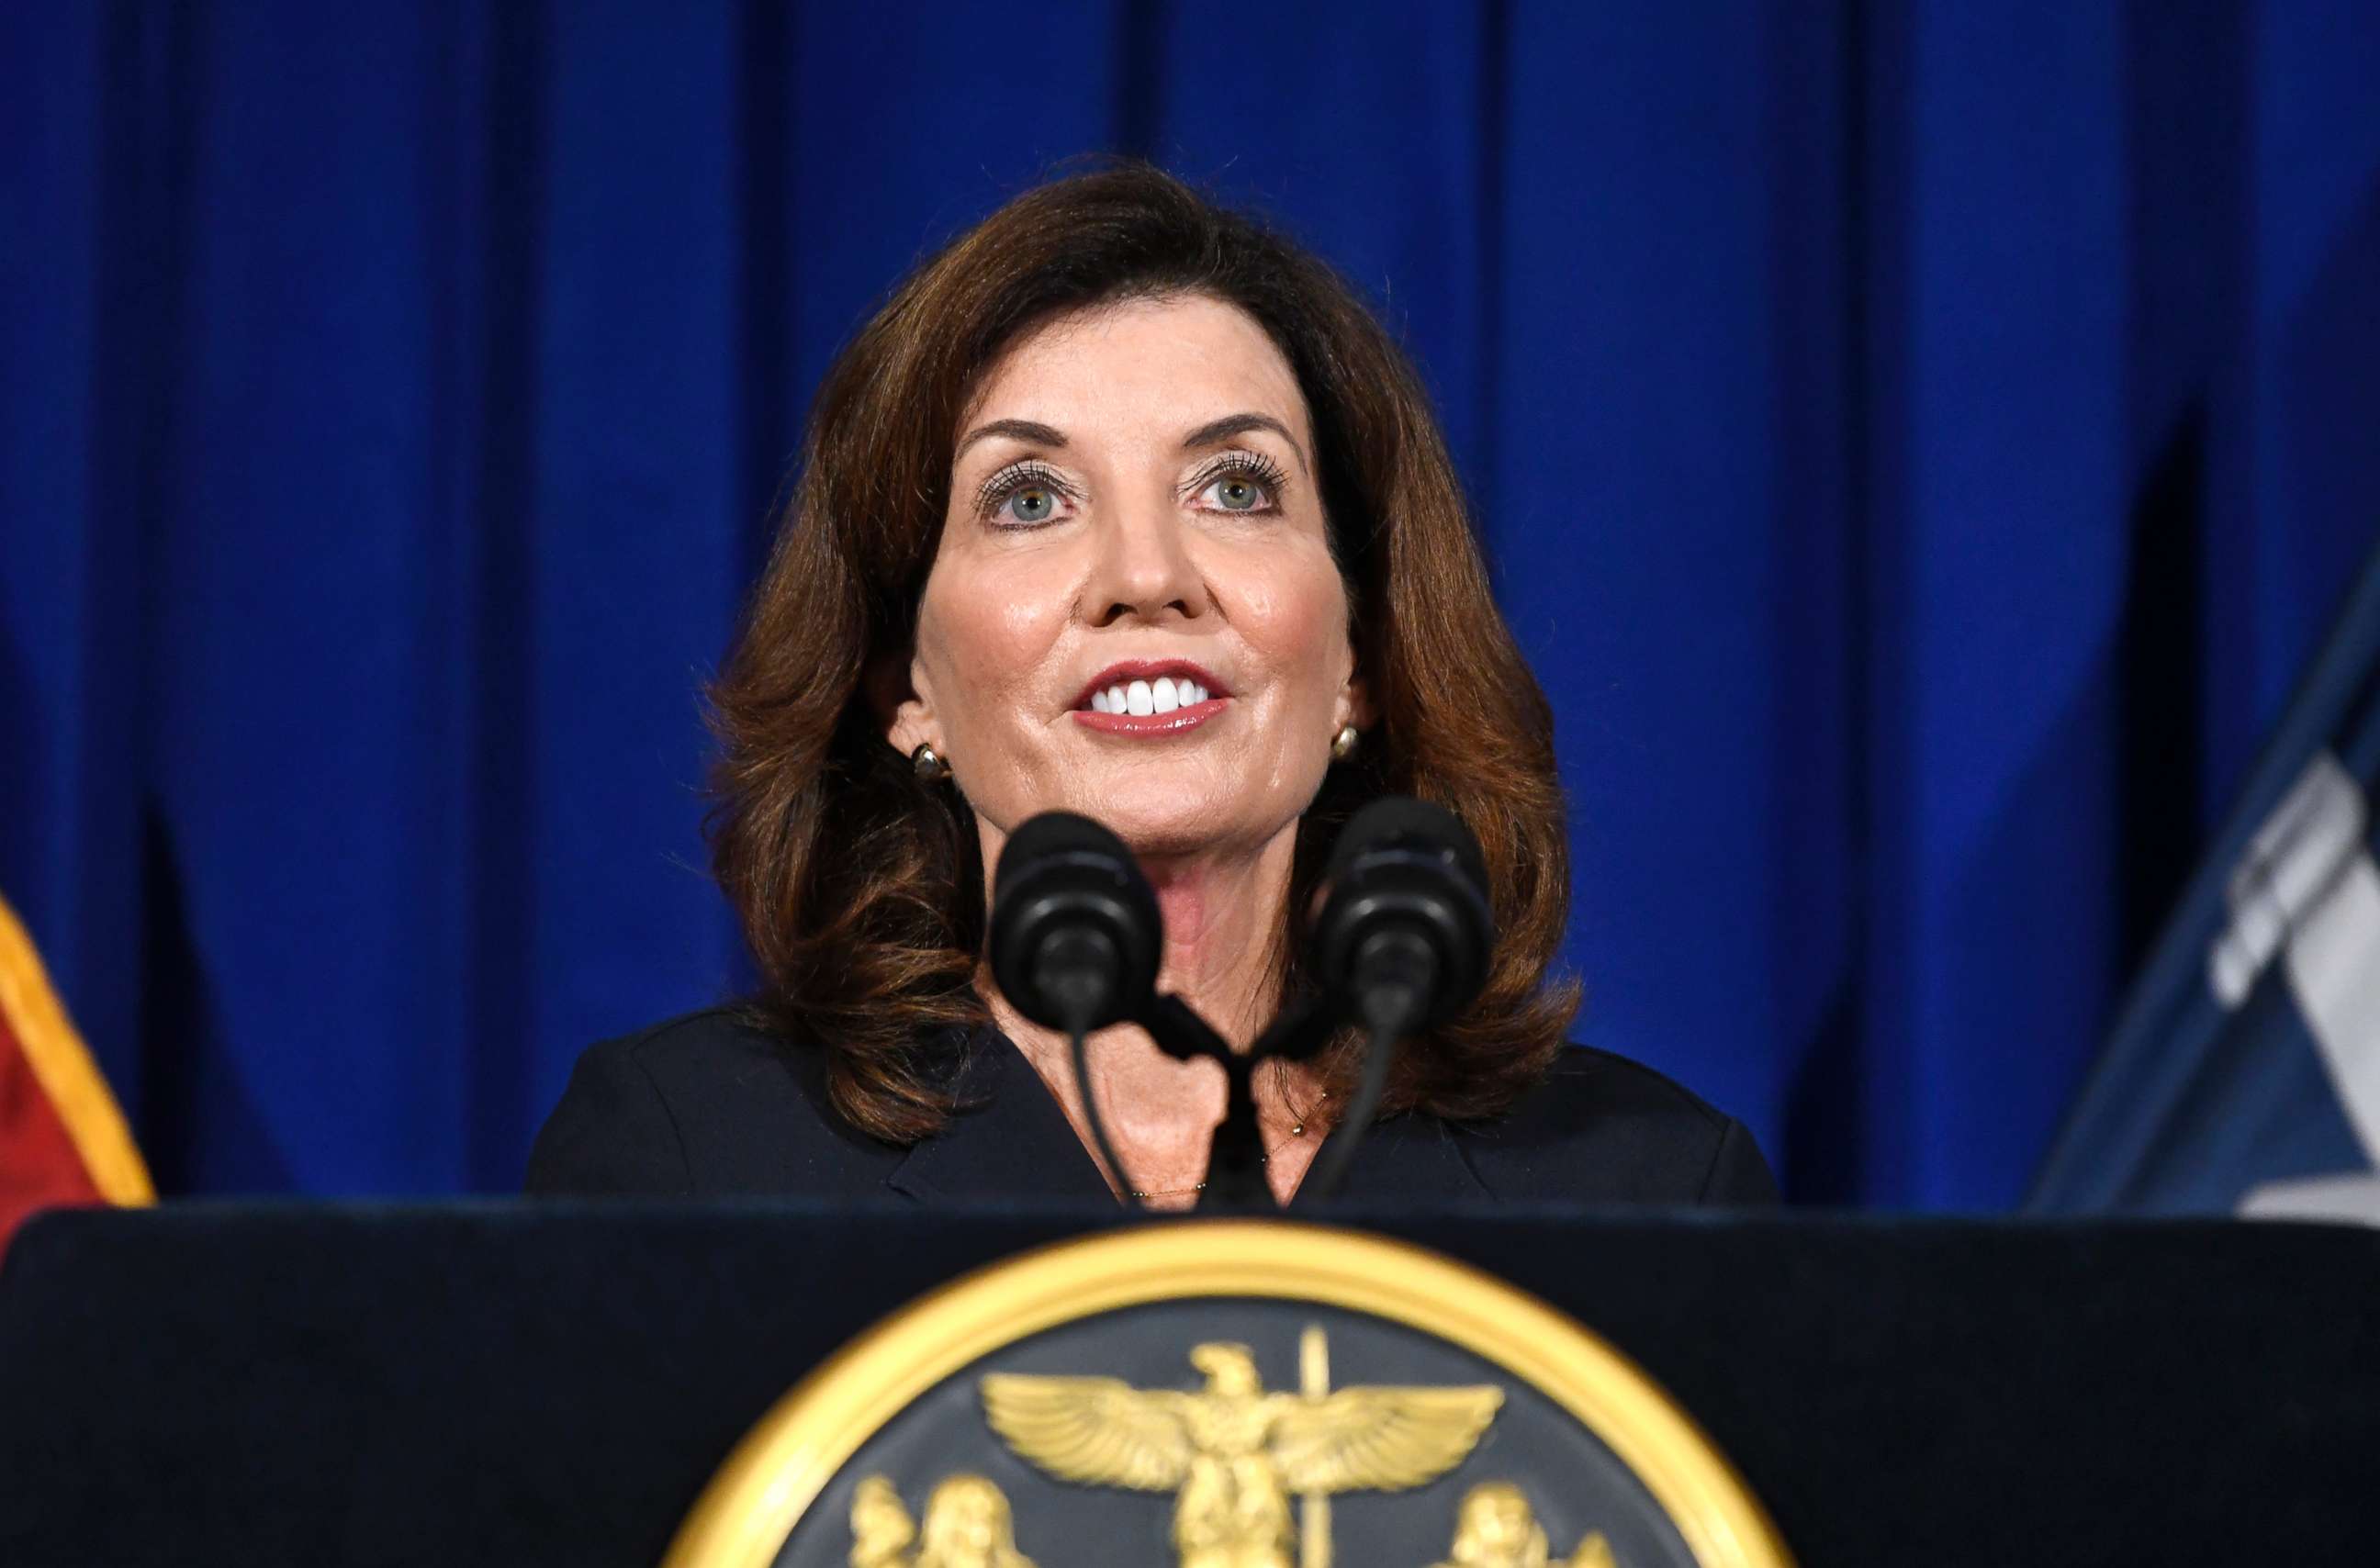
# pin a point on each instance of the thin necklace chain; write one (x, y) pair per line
(1296, 1130)
(1280, 1086)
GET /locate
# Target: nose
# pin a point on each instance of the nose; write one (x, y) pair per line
(1143, 569)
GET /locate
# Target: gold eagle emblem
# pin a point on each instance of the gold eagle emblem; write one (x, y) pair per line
(1233, 1451)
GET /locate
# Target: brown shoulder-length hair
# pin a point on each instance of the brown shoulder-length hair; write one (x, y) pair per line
(861, 890)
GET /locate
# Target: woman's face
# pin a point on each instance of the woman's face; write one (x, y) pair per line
(1134, 613)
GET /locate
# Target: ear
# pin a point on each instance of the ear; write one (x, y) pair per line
(1354, 705)
(905, 716)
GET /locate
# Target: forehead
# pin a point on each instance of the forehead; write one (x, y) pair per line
(1180, 358)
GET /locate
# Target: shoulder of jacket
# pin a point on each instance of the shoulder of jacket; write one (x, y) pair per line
(707, 1037)
(1600, 1127)
(721, 1021)
(1587, 1083)
(742, 1107)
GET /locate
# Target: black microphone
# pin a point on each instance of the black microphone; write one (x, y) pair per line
(1402, 938)
(1401, 943)
(1076, 938)
(1075, 934)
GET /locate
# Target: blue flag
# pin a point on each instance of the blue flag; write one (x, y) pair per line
(2244, 1071)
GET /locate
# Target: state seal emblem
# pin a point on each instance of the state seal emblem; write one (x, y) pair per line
(1227, 1395)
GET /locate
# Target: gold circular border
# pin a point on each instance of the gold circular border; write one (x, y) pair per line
(745, 1514)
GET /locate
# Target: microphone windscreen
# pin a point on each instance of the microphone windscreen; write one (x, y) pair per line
(1399, 821)
(1055, 833)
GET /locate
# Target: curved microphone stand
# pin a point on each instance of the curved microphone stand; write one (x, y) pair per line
(1235, 1165)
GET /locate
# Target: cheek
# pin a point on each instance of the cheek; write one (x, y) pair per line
(1298, 621)
(982, 635)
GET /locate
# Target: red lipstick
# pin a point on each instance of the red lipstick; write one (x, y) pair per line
(1123, 675)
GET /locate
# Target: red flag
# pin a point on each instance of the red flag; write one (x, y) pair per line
(62, 1138)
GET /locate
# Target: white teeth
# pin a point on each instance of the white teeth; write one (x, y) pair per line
(1163, 695)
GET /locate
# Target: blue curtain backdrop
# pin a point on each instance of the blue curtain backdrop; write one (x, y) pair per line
(1919, 445)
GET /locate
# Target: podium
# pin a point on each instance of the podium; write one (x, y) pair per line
(555, 1383)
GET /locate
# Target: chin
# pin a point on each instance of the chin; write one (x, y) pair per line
(1156, 829)
(1165, 845)
(1177, 821)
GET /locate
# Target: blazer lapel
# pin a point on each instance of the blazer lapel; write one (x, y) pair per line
(1013, 1142)
(1409, 1161)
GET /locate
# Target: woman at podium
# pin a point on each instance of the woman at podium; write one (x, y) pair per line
(1123, 505)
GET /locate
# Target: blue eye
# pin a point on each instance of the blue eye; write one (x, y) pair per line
(1240, 483)
(1238, 494)
(1024, 496)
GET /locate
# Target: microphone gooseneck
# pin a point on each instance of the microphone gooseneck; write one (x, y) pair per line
(1075, 939)
(1401, 943)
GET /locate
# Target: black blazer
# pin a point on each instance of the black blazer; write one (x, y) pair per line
(703, 1106)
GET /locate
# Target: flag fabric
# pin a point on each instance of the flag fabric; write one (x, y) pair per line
(2243, 1074)
(62, 1138)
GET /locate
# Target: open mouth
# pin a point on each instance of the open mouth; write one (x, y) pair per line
(1162, 695)
(1150, 698)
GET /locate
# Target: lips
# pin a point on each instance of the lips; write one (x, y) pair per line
(1150, 699)
(1145, 687)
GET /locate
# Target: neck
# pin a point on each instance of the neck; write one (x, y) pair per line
(1222, 933)
(1222, 917)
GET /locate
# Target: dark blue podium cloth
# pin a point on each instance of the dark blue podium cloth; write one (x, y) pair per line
(525, 1384)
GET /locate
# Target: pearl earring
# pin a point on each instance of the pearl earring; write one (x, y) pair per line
(1344, 744)
(929, 764)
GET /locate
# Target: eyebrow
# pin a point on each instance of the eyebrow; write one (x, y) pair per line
(1027, 430)
(1213, 432)
(1222, 429)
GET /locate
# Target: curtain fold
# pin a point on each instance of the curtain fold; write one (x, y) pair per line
(1918, 445)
